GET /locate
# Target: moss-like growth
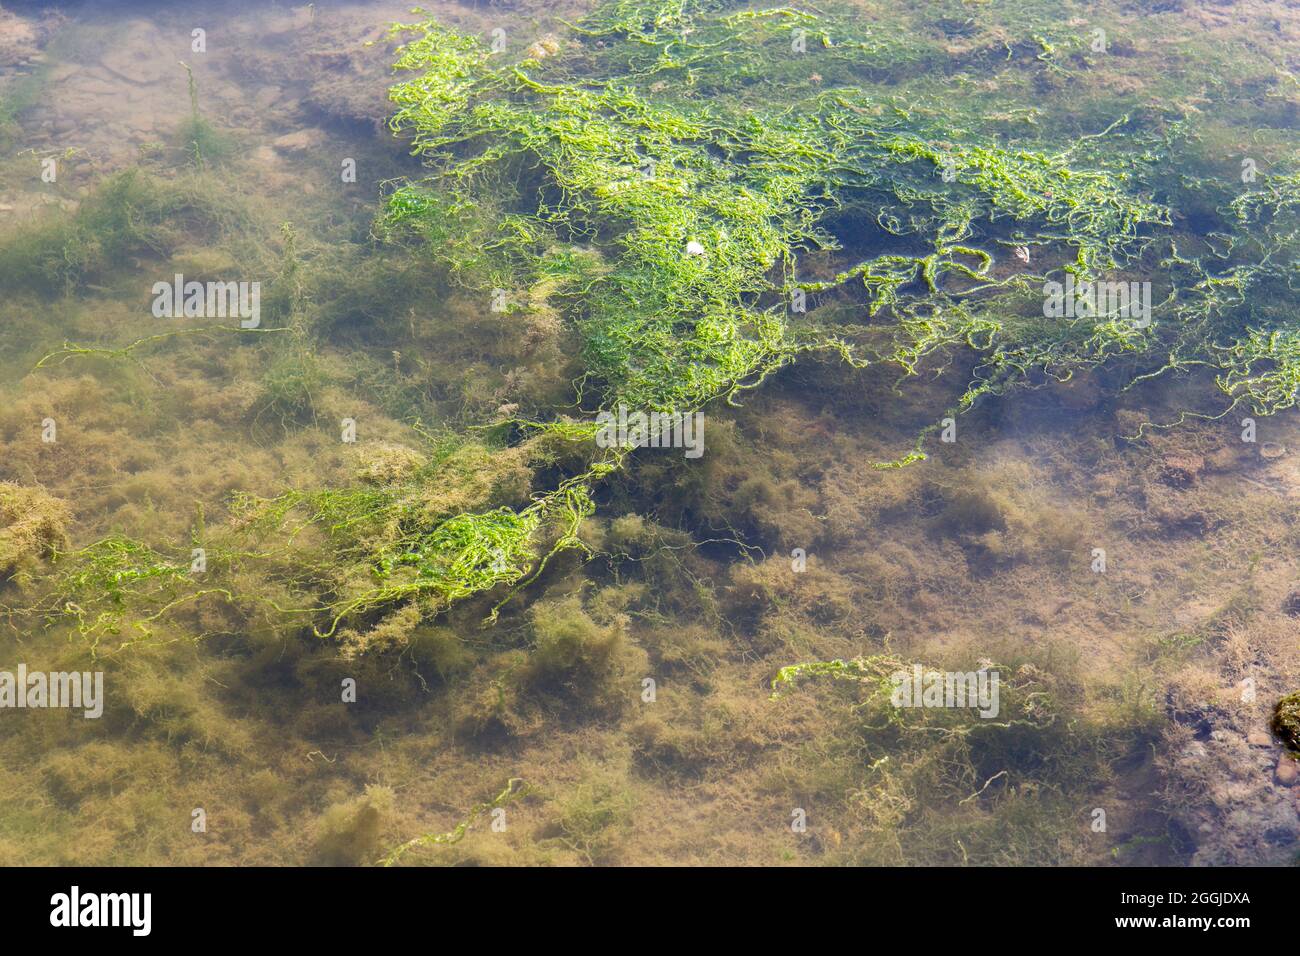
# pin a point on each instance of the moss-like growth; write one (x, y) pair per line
(931, 783)
(573, 656)
(349, 833)
(198, 138)
(289, 388)
(514, 787)
(592, 818)
(129, 215)
(670, 205)
(32, 526)
(1286, 721)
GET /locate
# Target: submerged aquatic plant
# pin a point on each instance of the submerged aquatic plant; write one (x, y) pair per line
(130, 215)
(702, 211)
(514, 787)
(1023, 766)
(200, 140)
(1286, 721)
(32, 524)
(660, 179)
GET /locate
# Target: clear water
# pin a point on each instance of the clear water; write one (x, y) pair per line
(229, 733)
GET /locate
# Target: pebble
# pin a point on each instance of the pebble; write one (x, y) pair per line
(1195, 751)
(1257, 738)
(267, 97)
(303, 139)
(1287, 772)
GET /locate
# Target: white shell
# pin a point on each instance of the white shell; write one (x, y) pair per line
(693, 248)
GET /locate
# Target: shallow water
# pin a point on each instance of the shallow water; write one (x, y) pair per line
(620, 708)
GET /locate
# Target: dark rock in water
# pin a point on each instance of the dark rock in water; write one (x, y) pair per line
(1292, 603)
(1286, 721)
(1280, 836)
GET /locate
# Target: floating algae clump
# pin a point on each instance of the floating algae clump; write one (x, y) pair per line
(660, 175)
(1286, 721)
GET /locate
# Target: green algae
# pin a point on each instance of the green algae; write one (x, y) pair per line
(1286, 721)
(131, 214)
(661, 187)
(198, 137)
(514, 788)
(1024, 770)
(322, 550)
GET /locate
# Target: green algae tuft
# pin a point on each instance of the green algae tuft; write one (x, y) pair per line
(1286, 721)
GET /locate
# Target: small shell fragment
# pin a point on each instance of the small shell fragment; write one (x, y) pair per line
(693, 248)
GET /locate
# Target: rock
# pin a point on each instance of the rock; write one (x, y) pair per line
(1180, 471)
(267, 97)
(18, 39)
(143, 57)
(543, 47)
(300, 141)
(265, 155)
(1257, 738)
(1286, 772)
(1292, 603)
(1224, 459)
(97, 87)
(298, 18)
